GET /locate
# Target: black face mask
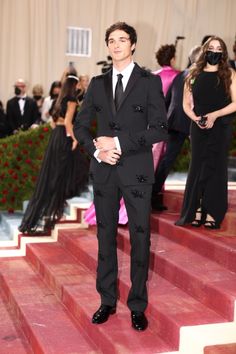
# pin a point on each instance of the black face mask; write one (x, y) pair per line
(213, 58)
(36, 97)
(54, 96)
(17, 91)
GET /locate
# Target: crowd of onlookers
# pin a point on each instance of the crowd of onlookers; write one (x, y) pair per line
(24, 111)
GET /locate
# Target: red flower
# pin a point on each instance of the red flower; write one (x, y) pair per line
(6, 164)
(41, 136)
(15, 176)
(33, 178)
(45, 129)
(18, 158)
(3, 200)
(24, 174)
(5, 192)
(10, 171)
(16, 145)
(30, 142)
(16, 189)
(4, 145)
(28, 161)
(25, 152)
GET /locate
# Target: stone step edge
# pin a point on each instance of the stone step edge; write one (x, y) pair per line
(22, 241)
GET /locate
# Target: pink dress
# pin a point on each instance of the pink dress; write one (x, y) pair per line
(167, 75)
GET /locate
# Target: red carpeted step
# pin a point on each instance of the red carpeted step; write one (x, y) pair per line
(221, 349)
(47, 325)
(12, 340)
(213, 244)
(61, 270)
(166, 300)
(174, 200)
(116, 335)
(205, 280)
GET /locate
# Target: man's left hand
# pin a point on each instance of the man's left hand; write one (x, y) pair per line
(104, 143)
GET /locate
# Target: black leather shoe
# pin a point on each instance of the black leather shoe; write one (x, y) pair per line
(139, 320)
(103, 313)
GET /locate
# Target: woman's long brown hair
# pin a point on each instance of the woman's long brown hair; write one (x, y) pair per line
(224, 72)
(68, 89)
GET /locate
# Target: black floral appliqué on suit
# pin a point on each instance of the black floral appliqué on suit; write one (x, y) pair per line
(142, 141)
(98, 193)
(98, 108)
(114, 126)
(138, 108)
(141, 178)
(139, 229)
(137, 194)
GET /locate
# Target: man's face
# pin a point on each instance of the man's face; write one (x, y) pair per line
(119, 46)
(21, 86)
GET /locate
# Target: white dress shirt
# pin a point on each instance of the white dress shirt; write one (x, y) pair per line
(126, 75)
(22, 104)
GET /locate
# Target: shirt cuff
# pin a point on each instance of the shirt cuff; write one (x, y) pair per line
(96, 155)
(116, 139)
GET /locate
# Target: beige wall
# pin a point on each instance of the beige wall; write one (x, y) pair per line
(33, 33)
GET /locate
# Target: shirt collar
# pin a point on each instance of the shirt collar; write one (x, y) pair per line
(126, 72)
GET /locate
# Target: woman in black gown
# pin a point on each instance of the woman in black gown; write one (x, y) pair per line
(210, 92)
(64, 170)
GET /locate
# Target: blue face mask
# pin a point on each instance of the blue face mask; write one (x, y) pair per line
(213, 58)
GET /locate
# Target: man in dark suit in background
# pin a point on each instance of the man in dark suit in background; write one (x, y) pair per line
(21, 110)
(178, 131)
(128, 105)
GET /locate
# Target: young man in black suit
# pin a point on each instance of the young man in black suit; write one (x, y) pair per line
(129, 107)
(21, 111)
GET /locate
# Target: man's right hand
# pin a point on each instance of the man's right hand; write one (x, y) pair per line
(111, 156)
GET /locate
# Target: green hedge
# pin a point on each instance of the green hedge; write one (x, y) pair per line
(20, 160)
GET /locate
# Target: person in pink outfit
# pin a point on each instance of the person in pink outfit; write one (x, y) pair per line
(166, 59)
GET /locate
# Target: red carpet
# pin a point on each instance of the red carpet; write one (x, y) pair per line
(48, 296)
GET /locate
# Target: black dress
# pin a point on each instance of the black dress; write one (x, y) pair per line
(63, 175)
(206, 185)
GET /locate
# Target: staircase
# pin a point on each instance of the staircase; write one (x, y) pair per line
(48, 295)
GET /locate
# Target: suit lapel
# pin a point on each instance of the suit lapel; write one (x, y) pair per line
(109, 90)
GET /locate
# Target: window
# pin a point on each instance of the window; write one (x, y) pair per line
(79, 41)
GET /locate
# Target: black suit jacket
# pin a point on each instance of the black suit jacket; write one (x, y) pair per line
(14, 117)
(139, 122)
(177, 119)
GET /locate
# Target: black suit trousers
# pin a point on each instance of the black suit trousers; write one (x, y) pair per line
(107, 203)
(174, 145)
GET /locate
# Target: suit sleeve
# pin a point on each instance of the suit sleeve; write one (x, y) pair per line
(156, 129)
(82, 124)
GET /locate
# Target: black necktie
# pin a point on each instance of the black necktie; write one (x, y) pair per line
(118, 91)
